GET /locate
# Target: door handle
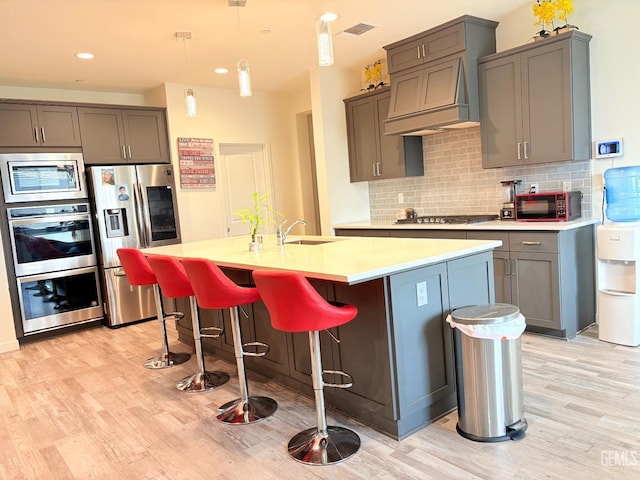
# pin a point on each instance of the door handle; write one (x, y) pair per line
(129, 150)
(424, 55)
(378, 168)
(35, 134)
(519, 156)
(44, 138)
(536, 244)
(507, 267)
(418, 52)
(124, 153)
(373, 165)
(526, 154)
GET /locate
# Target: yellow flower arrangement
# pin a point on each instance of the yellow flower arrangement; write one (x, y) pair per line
(564, 8)
(545, 10)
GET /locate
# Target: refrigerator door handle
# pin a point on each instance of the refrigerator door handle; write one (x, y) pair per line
(144, 218)
(139, 207)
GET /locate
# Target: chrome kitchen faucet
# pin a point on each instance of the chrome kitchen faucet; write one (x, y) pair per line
(280, 236)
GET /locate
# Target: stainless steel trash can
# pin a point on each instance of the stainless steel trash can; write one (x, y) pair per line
(489, 372)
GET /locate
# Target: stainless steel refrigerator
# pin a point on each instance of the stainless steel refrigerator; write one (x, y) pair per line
(134, 206)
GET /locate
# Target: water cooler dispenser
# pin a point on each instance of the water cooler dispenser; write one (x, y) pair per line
(618, 257)
(619, 283)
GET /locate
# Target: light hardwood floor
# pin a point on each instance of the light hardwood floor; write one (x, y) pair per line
(81, 406)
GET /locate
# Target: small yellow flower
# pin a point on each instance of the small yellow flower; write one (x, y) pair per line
(564, 7)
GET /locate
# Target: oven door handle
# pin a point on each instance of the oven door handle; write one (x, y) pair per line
(139, 207)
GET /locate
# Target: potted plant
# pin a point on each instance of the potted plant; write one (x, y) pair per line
(545, 10)
(255, 217)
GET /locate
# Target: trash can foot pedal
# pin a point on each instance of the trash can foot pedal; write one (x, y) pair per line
(516, 430)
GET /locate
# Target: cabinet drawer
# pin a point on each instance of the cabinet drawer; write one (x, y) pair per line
(502, 236)
(533, 242)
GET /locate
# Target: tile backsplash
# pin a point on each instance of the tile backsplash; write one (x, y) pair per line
(454, 182)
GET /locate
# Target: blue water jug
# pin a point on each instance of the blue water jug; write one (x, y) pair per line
(622, 193)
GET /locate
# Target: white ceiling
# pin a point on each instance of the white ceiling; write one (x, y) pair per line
(136, 47)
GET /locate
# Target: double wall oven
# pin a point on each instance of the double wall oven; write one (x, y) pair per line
(51, 240)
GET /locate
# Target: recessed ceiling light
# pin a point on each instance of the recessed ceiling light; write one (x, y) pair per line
(85, 55)
(221, 70)
(329, 17)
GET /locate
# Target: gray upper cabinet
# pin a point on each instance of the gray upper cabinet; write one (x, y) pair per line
(535, 103)
(30, 125)
(372, 154)
(425, 47)
(114, 135)
(434, 81)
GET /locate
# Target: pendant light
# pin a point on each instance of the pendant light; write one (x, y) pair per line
(325, 45)
(323, 36)
(189, 99)
(244, 77)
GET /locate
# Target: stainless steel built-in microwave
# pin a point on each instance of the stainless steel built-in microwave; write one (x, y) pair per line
(34, 177)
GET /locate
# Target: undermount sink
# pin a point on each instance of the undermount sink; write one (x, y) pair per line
(307, 242)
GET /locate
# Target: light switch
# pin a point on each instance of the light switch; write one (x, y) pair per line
(421, 293)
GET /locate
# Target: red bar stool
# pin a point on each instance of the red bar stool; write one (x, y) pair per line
(215, 290)
(174, 283)
(295, 306)
(139, 273)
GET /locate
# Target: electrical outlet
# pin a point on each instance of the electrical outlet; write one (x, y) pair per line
(534, 188)
(421, 293)
(401, 198)
(566, 186)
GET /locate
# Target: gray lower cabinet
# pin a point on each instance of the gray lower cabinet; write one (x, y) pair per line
(36, 125)
(398, 352)
(372, 154)
(535, 103)
(549, 275)
(120, 136)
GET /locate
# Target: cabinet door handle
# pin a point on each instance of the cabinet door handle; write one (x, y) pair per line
(424, 55)
(519, 156)
(418, 52)
(124, 153)
(44, 138)
(373, 165)
(129, 150)
(507, 267)
(378, 168)
(526, 154)
(35, 134)
(537, 244)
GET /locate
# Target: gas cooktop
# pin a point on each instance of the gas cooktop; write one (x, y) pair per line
(442, 219)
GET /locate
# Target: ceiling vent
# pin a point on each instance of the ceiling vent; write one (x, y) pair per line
(356, 30)
(237, 3)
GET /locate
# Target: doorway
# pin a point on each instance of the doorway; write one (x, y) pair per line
(245, 169)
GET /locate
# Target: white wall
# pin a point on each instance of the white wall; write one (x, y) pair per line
(339, 200)
(226, 117)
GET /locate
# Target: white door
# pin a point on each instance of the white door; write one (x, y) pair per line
(246, 169)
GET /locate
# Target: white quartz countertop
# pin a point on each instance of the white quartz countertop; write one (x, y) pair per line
(341, 259)
(505, 225)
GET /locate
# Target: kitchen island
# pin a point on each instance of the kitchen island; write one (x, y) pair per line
(398, 349)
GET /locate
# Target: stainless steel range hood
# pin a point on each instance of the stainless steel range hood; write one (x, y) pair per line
(437, 89)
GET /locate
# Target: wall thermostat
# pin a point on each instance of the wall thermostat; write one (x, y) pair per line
(609, 148)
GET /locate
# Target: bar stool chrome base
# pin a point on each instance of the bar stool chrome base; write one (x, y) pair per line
(312, 447)
(166, 361)
(241, 412)
(201, 382)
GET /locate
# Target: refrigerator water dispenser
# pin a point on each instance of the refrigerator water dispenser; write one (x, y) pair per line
(115, 220)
